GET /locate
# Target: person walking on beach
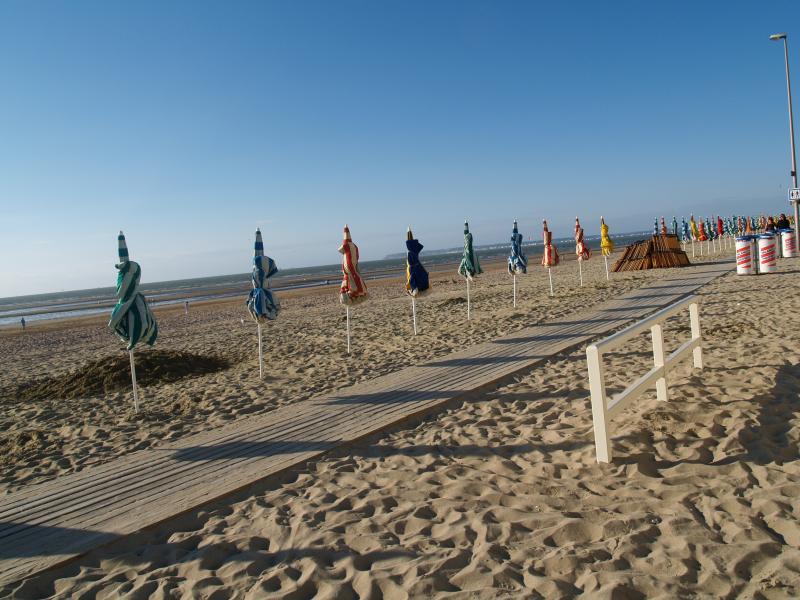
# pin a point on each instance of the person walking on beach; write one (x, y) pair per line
(22, 322)
(186, 306)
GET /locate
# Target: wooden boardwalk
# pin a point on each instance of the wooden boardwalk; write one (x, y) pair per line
(53, 522)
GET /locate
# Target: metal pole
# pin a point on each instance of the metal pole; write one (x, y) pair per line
(347, 312)
(260, 355)
(135, 388)
(791, 132)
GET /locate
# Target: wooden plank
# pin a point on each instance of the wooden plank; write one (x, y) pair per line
(99, 504)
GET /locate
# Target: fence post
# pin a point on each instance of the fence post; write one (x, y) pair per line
(597, 387)
(657, 333)
(694, 318)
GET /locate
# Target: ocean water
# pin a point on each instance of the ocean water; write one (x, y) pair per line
(59, 305)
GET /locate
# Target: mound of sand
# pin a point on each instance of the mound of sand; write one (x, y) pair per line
(112, 373)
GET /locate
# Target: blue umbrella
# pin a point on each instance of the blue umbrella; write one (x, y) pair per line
(261, 303)
(131, 318)
(517, 261)
(416, 276)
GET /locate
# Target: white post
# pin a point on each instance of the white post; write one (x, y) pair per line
(657, 333)
(468, 304)
(347, 312)
(692, 248)
(260, 355)
(550, 274)
(414, 313)
(135, 388)
(694, 318)
(597, 387)
(605, 258)
(515, 290)
(580, 271)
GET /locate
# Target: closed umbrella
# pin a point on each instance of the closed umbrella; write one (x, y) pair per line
(550, 254)
(517, 261)
(674, 226)
(581, 250)
(685, 235)
(655, 227)
(702, 237)
(353, 291)
(469, 267)
(695, 234)
(663, 227)
(131, 318)
(416, 276)
(262, 304)
(606, 245)
(720, 231)
(711, 236)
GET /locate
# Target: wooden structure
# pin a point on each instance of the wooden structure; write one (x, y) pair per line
(605, 409)
(54, 522)
(659, 252)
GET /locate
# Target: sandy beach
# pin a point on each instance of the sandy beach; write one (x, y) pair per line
(305, 356)
(499, 496)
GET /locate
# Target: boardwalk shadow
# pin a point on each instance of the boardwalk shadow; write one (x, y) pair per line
(395, 396)
(246, 449)
(484, 360)
(24, 540)
(542, 338)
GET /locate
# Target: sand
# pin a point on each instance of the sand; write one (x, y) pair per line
(501, 496)
(305, 353)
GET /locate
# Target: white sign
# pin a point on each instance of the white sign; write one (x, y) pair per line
(794, 194)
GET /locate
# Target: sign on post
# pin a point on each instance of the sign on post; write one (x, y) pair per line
(794, 194)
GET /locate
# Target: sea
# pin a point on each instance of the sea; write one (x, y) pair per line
(80, 303)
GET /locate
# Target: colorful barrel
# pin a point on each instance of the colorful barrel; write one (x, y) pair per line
(788, 243)
(745, 264)
(766, 253)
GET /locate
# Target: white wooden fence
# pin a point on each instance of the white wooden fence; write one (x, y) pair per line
(603, 410)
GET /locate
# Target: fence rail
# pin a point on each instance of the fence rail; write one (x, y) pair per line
(605, 410)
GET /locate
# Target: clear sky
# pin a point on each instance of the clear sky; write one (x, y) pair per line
(188, 124)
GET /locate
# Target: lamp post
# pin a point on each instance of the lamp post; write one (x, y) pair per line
(776, 37)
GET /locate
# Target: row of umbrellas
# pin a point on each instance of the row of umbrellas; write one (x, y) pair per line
(133, 321)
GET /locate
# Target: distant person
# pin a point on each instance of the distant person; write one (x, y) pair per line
(22, 322)
(186, 306)
(770, 226)
(783, 222)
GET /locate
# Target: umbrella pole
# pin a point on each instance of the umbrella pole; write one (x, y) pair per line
(414, 313)
(515, 290)
(347, 312)
(550, 275)
(580, 271)
(692, 248)
(260, 355)
(468, 304)
(133, 380)
(605, 258)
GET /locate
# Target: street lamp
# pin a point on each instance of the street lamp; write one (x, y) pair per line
(775, 37)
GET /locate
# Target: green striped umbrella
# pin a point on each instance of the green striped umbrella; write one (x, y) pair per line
(131, 318)
(469, 266)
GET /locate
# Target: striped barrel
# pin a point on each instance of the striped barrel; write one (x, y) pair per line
(744, 256)
(789, 243)
(766, 253)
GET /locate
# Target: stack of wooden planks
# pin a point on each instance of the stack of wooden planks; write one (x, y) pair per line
(659, 252)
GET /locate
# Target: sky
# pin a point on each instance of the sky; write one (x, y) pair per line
(189, 124)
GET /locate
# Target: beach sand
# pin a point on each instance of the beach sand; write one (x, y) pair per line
(305, 356)
(501, 496)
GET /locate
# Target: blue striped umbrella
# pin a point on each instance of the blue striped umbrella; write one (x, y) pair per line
(517, 261)
(261, 303)
(131, 318)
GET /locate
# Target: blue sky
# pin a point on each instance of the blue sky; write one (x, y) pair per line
(188, 124)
